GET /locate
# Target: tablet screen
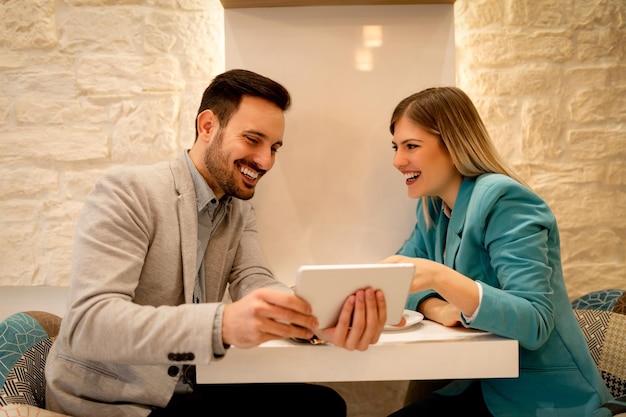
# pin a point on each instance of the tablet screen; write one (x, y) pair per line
(326, 287)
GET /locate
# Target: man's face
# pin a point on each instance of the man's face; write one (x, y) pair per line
(241, 152)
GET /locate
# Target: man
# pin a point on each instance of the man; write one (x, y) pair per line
(156, 248)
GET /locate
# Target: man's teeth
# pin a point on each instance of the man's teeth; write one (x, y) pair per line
(250, 173)
(411, 175)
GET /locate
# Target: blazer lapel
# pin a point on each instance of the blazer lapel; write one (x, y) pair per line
(457, 221)
(188, 222)
(440, 242)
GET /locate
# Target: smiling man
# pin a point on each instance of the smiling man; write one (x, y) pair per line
(156, 248)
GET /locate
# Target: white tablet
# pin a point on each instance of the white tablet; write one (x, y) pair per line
(326, 287)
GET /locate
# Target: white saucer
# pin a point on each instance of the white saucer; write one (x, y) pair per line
(411, 317)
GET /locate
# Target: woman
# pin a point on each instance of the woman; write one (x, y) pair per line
(486, 251)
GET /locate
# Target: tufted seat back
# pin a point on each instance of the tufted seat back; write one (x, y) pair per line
(25, 340)
(602, 318)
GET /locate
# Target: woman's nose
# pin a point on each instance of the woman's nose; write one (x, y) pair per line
(399, 160)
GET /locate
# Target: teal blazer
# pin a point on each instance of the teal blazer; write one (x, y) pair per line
(505, 237)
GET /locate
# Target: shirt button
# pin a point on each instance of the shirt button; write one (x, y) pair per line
(172, 370)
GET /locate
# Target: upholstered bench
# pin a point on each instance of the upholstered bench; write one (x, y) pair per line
(25, 340)
(602, 318)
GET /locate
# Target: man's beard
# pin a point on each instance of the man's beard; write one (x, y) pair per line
(224, 175)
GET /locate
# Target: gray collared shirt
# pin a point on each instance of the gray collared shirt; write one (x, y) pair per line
(211, 212)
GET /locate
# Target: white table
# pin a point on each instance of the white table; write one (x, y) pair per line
(426, 350)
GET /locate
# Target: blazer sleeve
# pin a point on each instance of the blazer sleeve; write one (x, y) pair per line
(126, 302)
(518, 234)
(249, 269)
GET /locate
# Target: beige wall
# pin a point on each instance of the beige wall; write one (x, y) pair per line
(333, 196)
(89, 84)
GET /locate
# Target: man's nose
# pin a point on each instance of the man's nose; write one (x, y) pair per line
(264, 158)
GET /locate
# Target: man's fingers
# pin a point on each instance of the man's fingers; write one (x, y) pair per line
(280, 330)
(266, 314)
(286, 307)
(286, 300)
(375, 317)
(344, 322)
(359, 322)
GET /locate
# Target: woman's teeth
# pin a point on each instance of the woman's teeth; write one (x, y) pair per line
(411, 175)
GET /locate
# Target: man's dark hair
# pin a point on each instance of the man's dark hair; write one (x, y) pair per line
(225, 92)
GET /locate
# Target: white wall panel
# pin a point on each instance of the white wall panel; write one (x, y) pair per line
(333, 195)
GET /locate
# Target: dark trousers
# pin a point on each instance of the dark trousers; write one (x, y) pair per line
(469, 402)
(277, 400)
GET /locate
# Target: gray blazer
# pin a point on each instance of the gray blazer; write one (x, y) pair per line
(130, 323)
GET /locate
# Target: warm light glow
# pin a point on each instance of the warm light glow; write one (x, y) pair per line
(372, 36)
(364, 61)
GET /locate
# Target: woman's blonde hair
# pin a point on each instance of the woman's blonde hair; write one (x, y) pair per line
(448, 113)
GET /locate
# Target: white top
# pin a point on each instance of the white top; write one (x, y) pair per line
(426, 350)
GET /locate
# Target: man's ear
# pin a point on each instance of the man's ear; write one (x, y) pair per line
(206, 122)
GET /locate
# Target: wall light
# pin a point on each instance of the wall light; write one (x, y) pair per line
(372, 36)
(364, 60)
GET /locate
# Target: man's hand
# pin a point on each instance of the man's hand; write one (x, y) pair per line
(360, 323)
(266, 314)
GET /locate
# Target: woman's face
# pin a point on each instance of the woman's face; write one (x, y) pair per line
(424, 162)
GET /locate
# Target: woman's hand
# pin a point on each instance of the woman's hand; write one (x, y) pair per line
(441, 311)
(459, 292)
(426, 271)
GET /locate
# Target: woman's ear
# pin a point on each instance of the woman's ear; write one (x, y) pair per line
(206, 121)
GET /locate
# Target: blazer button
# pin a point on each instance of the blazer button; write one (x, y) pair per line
(172, 356)
(172, 370)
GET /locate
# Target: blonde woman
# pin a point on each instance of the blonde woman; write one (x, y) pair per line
(487, 256)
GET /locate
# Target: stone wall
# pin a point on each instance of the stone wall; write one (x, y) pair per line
(89, 84)
(86, 85)
(549, 78)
